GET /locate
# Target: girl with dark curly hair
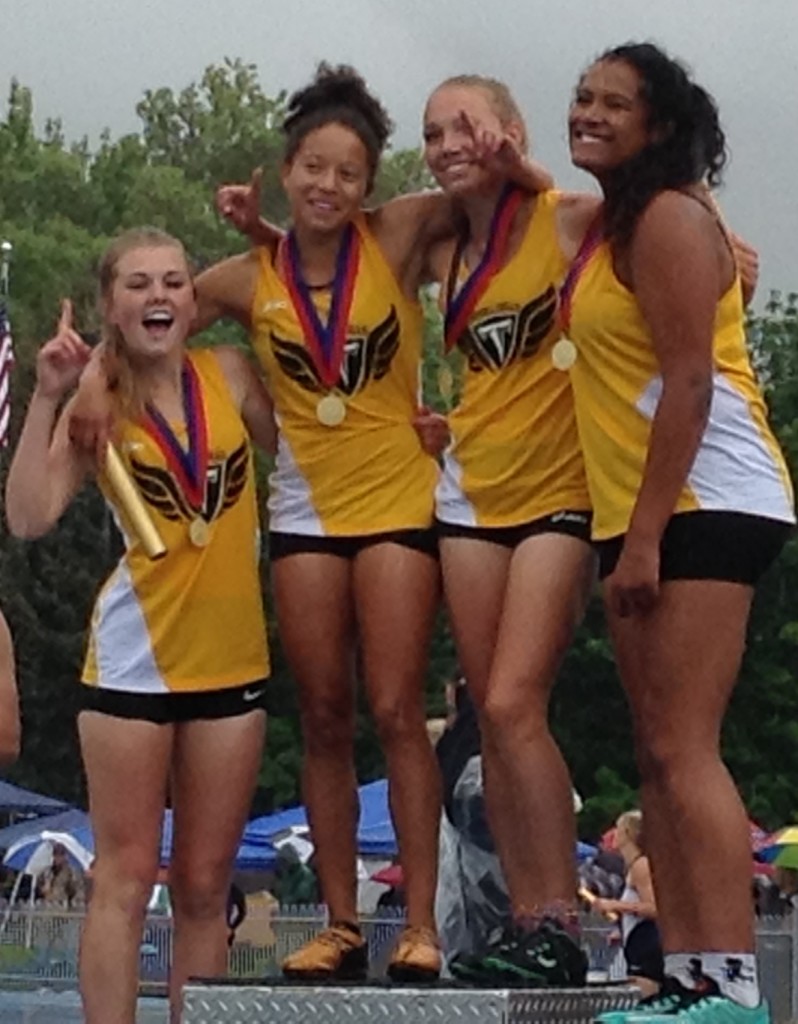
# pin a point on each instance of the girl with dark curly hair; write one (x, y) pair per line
(691, 495)
(335, 321)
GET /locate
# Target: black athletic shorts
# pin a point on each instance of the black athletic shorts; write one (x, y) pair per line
(283, 544)
(643, 952)
(171, 708)
(731, 546)
(570, 522)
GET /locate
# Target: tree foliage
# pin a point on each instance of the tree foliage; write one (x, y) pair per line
(59, 205)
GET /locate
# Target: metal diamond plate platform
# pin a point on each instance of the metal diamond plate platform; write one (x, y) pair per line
(218, 1003)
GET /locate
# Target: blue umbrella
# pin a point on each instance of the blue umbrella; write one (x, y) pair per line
(33, 852)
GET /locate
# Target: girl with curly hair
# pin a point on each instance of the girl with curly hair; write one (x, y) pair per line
(691, 495)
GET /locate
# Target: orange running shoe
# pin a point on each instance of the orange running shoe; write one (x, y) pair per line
(417, 955)
(339, 953)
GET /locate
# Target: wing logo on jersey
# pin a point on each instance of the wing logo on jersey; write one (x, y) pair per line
(224, 482)
(499, 338)
(366, 357)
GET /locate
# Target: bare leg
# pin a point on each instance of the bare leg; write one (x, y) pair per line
(527, 784)
(679, 665)
(215, 768)
(474, 580)
(313, 594)
(396, 593)
(513, 614)
(127, 764)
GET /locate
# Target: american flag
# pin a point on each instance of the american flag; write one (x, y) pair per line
(6, 363)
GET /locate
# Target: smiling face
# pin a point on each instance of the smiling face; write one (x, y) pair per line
(151, 300)
(327, 179)
(608, 119)
(449, 141)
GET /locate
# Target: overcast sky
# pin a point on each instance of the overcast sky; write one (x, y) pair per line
(89, 62)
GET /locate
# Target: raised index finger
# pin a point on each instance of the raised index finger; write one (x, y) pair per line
(65, 320)
(470, 124)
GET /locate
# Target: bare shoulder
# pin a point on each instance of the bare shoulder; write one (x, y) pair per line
(640, 870)
(576, 211)
(673, 215)
(427, 214)
(579, 203)
(405, 228)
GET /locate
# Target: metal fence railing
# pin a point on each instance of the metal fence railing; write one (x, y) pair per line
(41, 947)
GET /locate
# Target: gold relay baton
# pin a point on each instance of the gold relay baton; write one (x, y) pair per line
(132, 504)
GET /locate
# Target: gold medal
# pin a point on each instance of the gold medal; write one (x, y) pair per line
(446, 382)
(331, 411)
(199, 532)
(563, 354)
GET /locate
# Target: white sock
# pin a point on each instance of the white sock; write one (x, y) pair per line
(735, 975)
(685, 967)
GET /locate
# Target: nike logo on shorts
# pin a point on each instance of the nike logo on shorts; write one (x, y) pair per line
(250, 695)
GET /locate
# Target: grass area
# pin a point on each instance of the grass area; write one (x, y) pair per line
(15, 958)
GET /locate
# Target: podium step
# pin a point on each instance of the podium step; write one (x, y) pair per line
(261, 1003)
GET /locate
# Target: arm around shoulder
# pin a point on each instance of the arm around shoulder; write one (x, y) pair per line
(227, 289)
(407, 228)
(576, 212)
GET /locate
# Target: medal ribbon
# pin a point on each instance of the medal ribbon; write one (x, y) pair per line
(325, 341)
(459, 307)
(189, 466)
(590, 243)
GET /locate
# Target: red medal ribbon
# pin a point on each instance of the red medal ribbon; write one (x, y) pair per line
(459, 307)
(188, 466)
(325, 342)
(590, 243)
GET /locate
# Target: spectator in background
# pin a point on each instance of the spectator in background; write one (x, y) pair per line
(62, 885)
(295, 883)
(636, 908)
(10, 728)
(603, 874)
(236, 912)
(767, 897)
(472, 902)
(786, 880)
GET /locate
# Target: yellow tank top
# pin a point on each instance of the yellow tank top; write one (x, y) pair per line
(738, 467)
(368, 474)
(515, 453)
(193, 620)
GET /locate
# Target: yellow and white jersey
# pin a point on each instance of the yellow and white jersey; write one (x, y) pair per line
(617, 386)
(515, 453)
(192, 620)
(369, 473)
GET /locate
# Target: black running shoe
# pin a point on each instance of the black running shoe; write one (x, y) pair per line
(545, 958)
(471, 968)
(672, 999)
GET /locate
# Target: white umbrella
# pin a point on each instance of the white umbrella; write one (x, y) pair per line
(38, 849)
(298, 838)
